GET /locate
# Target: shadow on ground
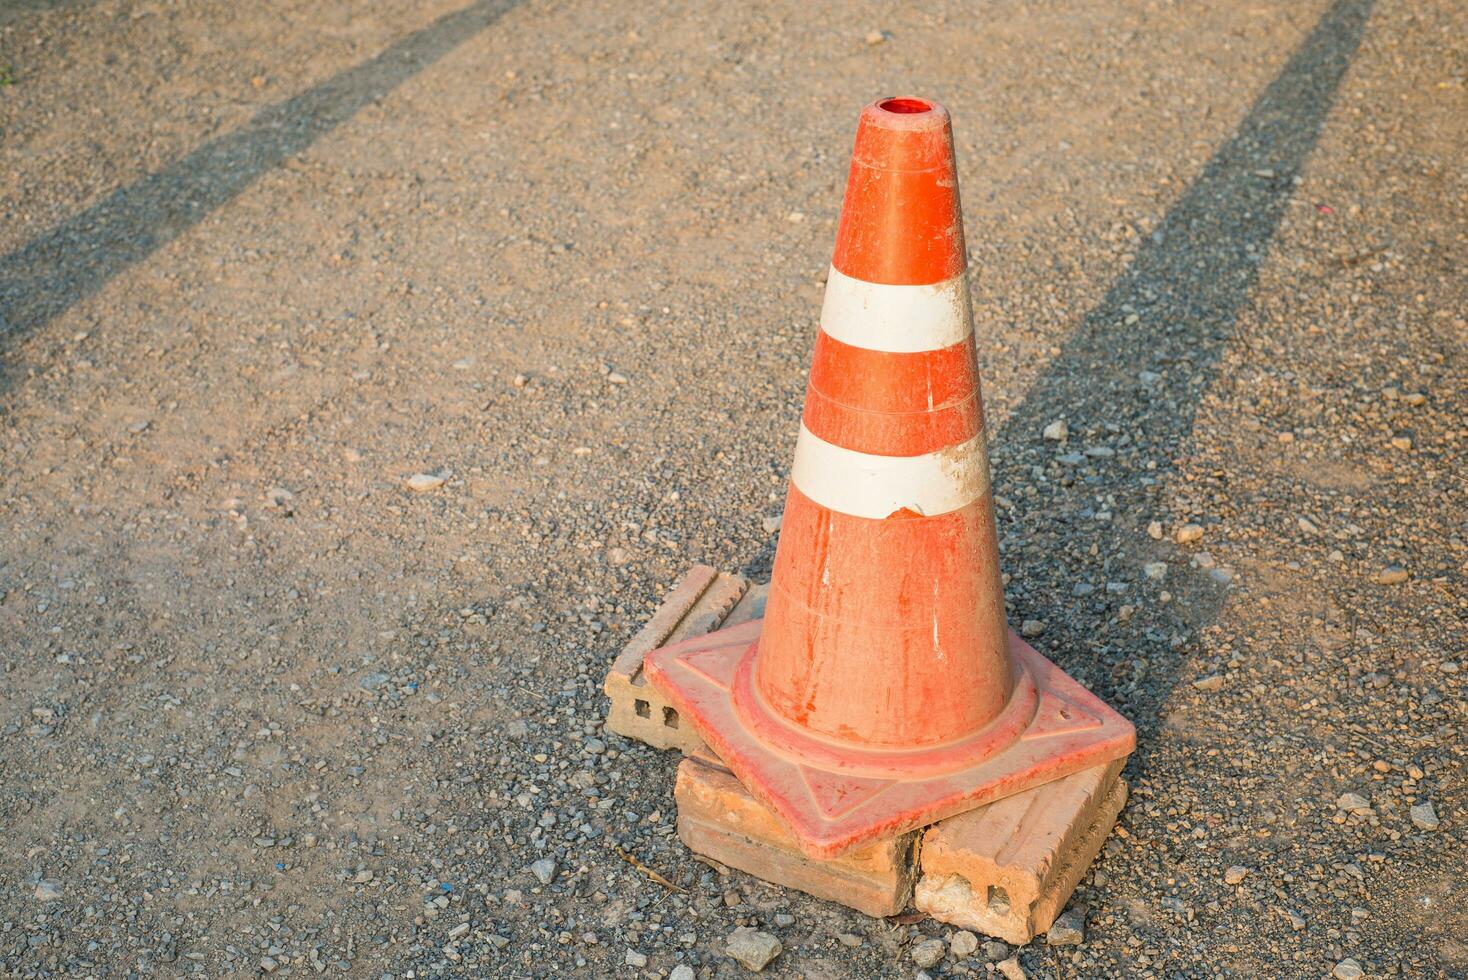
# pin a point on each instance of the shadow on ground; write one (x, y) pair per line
(51, 273)
(1187, 287)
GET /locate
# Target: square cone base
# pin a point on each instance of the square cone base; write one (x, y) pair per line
(830, 811)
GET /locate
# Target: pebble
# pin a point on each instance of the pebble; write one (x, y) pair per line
(1348, 969)
(1011, 969)
(876, 37)
(1392, 575)
(268, 965)
(849, 939)
(48, 890)
(753, 949)
(1056, 431)
(424, 482)
(616, 378)
(929, 952)
(772, 524)
(681, 972)
(1353, 803)
(1155, 570)
(994, 949)
(544, 870)
(1188, 533)
(1213, 682)
(1154, 530)
(963, 943)
(1424, 817)
(635, 959)
(1068, 930)
(1235, 874)
(1031, 628)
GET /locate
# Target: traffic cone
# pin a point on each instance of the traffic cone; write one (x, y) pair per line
(883, 690)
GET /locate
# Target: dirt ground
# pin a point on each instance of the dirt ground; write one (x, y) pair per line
(266, 709)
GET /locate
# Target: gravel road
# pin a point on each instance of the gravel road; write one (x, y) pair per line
(368, 370)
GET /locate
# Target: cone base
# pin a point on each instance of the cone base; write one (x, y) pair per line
(828, 806)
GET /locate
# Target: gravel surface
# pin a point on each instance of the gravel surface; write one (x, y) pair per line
(368, 370)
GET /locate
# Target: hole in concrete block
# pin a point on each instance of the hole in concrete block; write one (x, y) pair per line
(998, 900)
(670, 718)
(643, 709)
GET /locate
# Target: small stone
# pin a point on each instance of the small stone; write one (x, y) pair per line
(424, 482)
(994, 949)
(544, 871)
(753, 949)
(268, 965)
(1031, 628)
(963, 943)
(362, 877)
(1012, 970)
(1070, 459)
(1424, 817)
(1100, 452)
(1392, 575)
(1068, 930)
(519, 381)
(371, 682)
(784, 920)
(48, 890)
(1082, 589)
(1353, 803)
(617, 556)
(1235, 874)
(682, 972)
(849, 939)
(1211, 683)
(772, 524)
(1154, 530)
(1156, 571)
(929, 952)
(1056, 431)
(1348, 969)
(1187, 533)
(635, 959)
(616, 378)
(463, 364)
(279, 497)
(1401, 442)
(876, 37)
(462, 929)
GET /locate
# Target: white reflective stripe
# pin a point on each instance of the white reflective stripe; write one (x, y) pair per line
(900, 319)
(865, 485)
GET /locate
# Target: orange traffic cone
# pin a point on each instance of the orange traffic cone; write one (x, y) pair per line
(883, 690)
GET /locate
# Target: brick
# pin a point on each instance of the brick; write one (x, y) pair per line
(703, 601)
(719, 819)
(1008, 869)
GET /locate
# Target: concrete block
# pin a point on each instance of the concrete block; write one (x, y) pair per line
(1007, 869)
(703, 601)
(719, 819)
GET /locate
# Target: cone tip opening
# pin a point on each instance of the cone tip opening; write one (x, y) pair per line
(906, 112)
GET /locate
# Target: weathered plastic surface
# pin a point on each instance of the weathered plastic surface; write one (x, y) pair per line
(883, 689)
